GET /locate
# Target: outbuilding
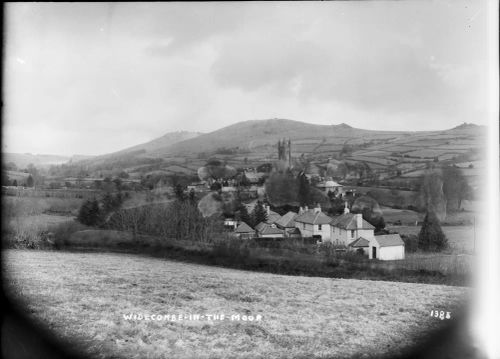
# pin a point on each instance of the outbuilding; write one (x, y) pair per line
(360, 245)
(387, 247)
(244, 231)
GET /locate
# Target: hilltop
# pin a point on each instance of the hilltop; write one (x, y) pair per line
(251, 143)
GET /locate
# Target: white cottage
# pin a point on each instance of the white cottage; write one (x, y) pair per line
(349, 227)
(313, 223)
(387, 247)
(330, 186)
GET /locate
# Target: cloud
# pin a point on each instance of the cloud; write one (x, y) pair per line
(121, 74)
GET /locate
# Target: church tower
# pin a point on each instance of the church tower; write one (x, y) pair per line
(285, 151)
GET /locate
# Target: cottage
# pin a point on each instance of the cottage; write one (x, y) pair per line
(244, 231)
(266, 230)
(387, 247)
(272, 216)
(287, 224)
(348, 227)
(230, 223)
(330, 186)
(254, 177)
(313, 223)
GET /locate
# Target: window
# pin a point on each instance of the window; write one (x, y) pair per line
(352, 233)
(303, 225)
(319, 227)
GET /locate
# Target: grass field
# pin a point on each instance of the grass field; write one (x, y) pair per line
(85, 296)
(460, 238)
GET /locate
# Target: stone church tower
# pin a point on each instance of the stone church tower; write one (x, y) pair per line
(285, 151)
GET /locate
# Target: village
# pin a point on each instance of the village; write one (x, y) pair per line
(244, 180)
(348, 231)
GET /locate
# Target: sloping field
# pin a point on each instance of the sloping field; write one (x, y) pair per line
(86, 295)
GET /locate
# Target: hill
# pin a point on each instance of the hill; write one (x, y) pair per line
(136, 156)
(22, 160)
(250, 143)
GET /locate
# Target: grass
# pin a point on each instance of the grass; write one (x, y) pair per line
(83, 296)
(26, 231)
(24, 206)
(460, 238)
(405, 216)
(287, 257)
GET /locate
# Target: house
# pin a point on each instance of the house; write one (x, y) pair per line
(229, 189)
(287, 224)
(313, 223)
(387, 247)
(266, 230)
(254, 177)
(350, 226)
(244, 231)
(197, 187)
(230, 223)
(272, 216)
(330, 186)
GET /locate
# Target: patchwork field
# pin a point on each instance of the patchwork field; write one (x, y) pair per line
(85, 296)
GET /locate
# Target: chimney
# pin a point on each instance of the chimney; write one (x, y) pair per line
(268, 210)
(346, 210)
(359, 220)
(306, 209)
(301, 210)
(317, 209)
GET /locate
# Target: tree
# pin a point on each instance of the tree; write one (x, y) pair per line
(179, 193)
(431, 236)
(259, 213)
(89, 213)
(216, 186)
(14, 182)
(431, 196)
(192, 196)
(304, 192)
(243, 215)
(455, 187)
(370, 210)
(282, 189)
(29, 181)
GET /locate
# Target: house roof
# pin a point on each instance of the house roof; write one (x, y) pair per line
(360, 242)
(313, 218)
(259, 227)
(348, 221)
(271, 230)
(244, 228)
(328, 184)
(265, 228)
(272, 217)
(254, 175)
(287, 220)
(389, 240)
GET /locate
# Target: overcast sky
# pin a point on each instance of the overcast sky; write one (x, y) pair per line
(96, 78)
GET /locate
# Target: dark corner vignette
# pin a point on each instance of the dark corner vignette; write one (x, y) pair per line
(22, 338)
(416, 99)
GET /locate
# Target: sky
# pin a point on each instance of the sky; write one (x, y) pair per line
(94, 78)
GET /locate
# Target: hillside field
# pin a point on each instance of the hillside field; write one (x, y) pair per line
(85, 296)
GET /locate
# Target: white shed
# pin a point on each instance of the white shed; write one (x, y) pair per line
(387, 247)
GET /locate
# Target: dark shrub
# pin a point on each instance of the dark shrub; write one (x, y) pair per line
(411, 242)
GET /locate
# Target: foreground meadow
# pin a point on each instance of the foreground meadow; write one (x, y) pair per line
(85, 296)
